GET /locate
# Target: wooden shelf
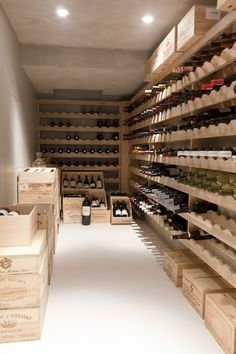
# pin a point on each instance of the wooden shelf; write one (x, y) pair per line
(78, 142)
(90, 168)
(59, 102)
(223, 98)
(227, 202)
(224, 229)
(221, 259)
(209, 163)
(81, 155)
(217, 63)
(77, 129)
(224, 130)
(72, 115)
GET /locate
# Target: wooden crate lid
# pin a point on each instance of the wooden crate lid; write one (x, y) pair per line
(23, 209)
(224, 303)
(203, 272)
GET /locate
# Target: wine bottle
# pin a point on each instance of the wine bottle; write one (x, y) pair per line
(76, 137)
(86, 211)
(76, 151)
(197, 235)
(99, 163)
(60, 163)
(115, 136)
(76, 163)
(99, 151)
(100, 123)
(60, 124)
(84, 150)
(72, 183)
(92, 151)
(65, 182)
(107, 151)
(84, 163)
(108, 123)
(68, 150)
(52, 124)
(79, 183)
(115, 164)
(68, 124)
(86, 183)
(107, 163)
(60, 150)
(117, 210)
(52, 150)
(44, 150)
(99, 183)
(124, 210)
(100, 136)
(115, 151)
(68, 163)
(68, 137)
(92, 183)
(92, 163)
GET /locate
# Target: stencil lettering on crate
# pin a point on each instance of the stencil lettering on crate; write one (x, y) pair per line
(5, 263)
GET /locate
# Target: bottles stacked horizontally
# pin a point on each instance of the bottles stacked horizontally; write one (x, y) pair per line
(120, 209)
(158, 169)
(8, 212)
(198, 235)
(212, 181)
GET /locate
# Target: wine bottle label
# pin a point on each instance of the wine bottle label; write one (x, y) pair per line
(72, 184)
(118, 212)
(86, 186)
(65, 184)
(79, 185)
(99, 184)
(212, 153)
(86, 210)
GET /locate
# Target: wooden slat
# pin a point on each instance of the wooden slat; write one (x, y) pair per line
(77, 129)
(78, 142)
(210, 163)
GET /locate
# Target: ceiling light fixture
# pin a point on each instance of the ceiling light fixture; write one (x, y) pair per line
(62, 12)
(147, 19)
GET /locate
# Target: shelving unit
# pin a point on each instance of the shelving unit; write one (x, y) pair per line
(219, 253)
(83, 117)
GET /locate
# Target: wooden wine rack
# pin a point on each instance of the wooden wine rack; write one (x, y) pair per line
(75, 111)
(218, 253)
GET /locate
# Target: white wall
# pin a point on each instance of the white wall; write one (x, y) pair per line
(17, 113)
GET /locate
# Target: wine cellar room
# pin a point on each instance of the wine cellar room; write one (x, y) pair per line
(118, 176)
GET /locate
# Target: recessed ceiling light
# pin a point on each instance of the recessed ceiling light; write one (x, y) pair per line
(62, 12)
(147, 19)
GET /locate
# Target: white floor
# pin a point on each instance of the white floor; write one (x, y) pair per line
(109, 295)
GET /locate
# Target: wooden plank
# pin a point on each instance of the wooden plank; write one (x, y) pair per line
(226, 5)
(79, 142)
(77, 129)
(72, 115)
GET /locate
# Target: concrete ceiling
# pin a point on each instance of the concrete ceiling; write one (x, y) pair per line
(102, 45)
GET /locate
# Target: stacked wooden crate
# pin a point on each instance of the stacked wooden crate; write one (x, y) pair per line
(40, 186)
(23, 275)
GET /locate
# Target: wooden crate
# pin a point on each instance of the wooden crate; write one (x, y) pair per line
(176, 261)
(226, 5)
(121, 220)
(163, 55)
(18, 230)
(100, 215)
(23, 289)
(50, 266)
(38, 175)
(197, 283)
(195, 24)
(24, 323)
(37, 198)
(72, 209)
(26, 259)
(44, 188)
(220, 319)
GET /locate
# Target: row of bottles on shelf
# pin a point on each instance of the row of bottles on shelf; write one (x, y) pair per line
(175, 224)
(100, 124)
(212, 181)
(84, 150)
(85, 163)
(82, 183)
(207, 119)
(188, 100)
(99, 137)
(225, 40)
(214, 152)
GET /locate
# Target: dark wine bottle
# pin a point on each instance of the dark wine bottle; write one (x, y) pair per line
(86, 211)
(60, 150)
(44, 150)
(100, 123)
(60, 163)
(68, 124)
(68, 150)
(92, 163)
(84, 150)
(76, 163)
(68, 137)
(76, 151)
(84, 163)
(52, 150)
(76, 137)
(52, 124)
(99, 151)
(108, 123)
(115, 151)
(60, 124)
(100, 136)
(86, 183)
(197, 235)
(92, 151)
(107, 163)
(115, 136)
(107, 151)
